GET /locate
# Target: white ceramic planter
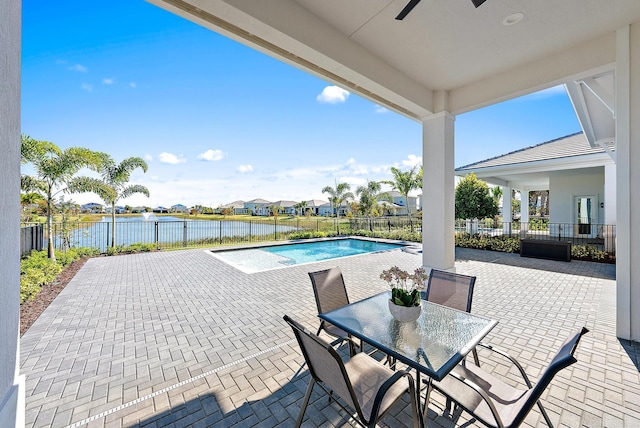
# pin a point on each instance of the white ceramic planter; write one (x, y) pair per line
(404, 313)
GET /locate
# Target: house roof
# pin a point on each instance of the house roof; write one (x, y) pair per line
(284, 203)
(316, 203)
(258, 201)
(532, 166)
(234, 204)
(565, 147)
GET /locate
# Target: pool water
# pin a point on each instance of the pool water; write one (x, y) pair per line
(253, 260)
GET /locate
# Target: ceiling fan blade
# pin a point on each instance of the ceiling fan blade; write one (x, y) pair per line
(477, 3)
(409, 7)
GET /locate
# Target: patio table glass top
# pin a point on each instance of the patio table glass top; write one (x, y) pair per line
(433, 344)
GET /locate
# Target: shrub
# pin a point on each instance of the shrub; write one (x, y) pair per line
(36, 271)
(308, 234)
(504, 243)
(588, 252)
(537, 223)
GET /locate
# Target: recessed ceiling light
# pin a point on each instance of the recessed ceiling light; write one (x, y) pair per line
(512, 19)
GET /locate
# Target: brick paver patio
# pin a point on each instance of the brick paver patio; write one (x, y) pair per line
(181, 339)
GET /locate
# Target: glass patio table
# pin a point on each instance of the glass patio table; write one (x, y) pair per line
(433, 345)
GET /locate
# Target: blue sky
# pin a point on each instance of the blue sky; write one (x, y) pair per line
(218, 121)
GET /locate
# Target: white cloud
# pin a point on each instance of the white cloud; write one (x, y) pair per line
(87, 87)
(108, 81)
(211, 155)
(381, 110)
(132, 84)
(148, 157)
(242, 169)
(333, 95)
(412, 160)
(79, 68)
(170, 158)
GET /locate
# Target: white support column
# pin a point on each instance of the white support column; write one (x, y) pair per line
(11, 384)
(438, 187)
(524, 212)
(506, 210)
(609, 221)
(628, 182)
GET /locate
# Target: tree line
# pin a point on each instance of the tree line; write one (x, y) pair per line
(56, 174)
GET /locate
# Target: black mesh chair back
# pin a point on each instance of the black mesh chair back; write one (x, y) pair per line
(493, 400)
(450, 289)
(330, 293)
(363, 383)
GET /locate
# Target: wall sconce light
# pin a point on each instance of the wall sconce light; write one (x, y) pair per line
(601, 204)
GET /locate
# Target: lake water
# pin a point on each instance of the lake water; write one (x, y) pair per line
(166, 230)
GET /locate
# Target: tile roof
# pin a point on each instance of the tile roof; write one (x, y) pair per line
(565, 147)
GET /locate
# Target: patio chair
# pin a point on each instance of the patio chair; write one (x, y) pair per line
(331, 293)
(496, 403)
(453, 290)
(364, 384)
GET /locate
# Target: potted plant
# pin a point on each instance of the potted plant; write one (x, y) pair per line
(404, 304)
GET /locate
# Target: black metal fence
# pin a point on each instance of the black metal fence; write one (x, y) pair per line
(170, 232)
(31, 238)
(165, 232)
(600, 236)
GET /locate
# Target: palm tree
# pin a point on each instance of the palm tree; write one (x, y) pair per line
(369, 197)
(496, 193)
(404, 183)
(54, 173)
(113, 186)
(27, 201)
(302, 206)
(337, 196)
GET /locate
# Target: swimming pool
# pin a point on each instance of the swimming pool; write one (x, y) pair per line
(251, 260)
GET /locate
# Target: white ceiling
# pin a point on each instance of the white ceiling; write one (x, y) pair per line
(445, 55)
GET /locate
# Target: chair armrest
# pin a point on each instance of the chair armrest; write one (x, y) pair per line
(345, 338)
(482, 393)
(510, 358)
(388, 384)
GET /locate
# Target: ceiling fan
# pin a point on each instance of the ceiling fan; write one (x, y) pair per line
(409, 7)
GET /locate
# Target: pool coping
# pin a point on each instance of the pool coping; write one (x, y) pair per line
(405, 246)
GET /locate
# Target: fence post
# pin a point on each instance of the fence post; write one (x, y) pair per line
(184, 234)
(107, 234)
(220, 232)
(275, 228)
(155, 233)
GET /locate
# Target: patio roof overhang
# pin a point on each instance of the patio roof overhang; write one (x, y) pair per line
(535, 174)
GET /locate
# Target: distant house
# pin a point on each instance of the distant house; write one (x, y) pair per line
(403, 207)
(328, 209)
(237, 207)
(118, 210)
(313, 206)
(179, 208)
(285, 207)
(92, 207)
(258, 207)
(390, 208)
(160, 210)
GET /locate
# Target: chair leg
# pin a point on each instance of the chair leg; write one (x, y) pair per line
(475, 357)
(305, 403)
(544, 414)
(427, 397)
